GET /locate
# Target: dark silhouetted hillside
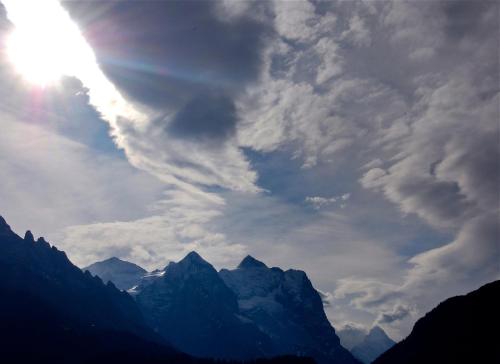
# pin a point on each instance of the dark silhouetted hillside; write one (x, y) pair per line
(462, 329)
(52, 312)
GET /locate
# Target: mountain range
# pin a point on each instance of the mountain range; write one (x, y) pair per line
(52, 312)
(247, 312)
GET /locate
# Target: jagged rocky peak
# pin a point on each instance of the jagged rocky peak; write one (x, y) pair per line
(251, 262)
(191, 265)
(41, 240)
(193, 258)
(4, 227)
(192, 298)
(28, 236)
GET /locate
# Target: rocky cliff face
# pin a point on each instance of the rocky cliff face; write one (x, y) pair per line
(287, 308)
(243, 313)
(192, 307)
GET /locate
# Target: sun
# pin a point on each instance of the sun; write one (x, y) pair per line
(36, 59)
(43, 47)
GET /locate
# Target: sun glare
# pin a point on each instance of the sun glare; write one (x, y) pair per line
(44, 44)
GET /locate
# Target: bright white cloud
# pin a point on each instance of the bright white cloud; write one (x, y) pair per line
(132, 126)
(423, 131)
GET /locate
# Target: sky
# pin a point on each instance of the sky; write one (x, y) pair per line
(356, 140)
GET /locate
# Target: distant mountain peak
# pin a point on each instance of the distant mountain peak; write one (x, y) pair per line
(374, 343)
(193, 258)
(28, 236)
(377, 331)
(123, 274)
(251, 262)
(119, 262)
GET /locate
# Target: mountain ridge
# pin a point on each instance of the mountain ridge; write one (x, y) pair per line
(242, 299)
(53, 312)
(192, 298)
(461, 329)
(123, 274)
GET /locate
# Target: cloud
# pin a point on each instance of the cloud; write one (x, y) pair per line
(296, 20)
(405, 115)
(205, 116)
(51, 181)
(375, 163)
(244, 111)
(358, 33)
(445, 169)
(420, 117)
(318, 202)
(399, 312)
(175, 49)
(182, 67)
(326, 298)
(152, 241)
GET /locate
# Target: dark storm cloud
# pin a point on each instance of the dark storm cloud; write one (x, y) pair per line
(205, 116)
(176, 55)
